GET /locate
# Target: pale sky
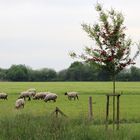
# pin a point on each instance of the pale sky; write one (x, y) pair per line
(41, 33)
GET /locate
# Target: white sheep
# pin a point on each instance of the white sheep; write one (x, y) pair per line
(50, 96)
(25, 94)
(32, 91)
(19, 103)
(71, 95)
(3, 96)
(40, 95)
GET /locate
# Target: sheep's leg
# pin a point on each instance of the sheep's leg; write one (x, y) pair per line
(77, 97)
(29, 98)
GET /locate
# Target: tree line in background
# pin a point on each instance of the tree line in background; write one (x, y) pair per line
(77, 71)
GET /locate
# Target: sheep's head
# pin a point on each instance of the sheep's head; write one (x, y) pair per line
(20, 97)
(66, 93)
(16, 107)
(33, 94)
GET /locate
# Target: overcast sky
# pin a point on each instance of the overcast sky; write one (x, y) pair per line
(41, 33)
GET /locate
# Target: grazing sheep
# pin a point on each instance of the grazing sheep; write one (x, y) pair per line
(25, 94)
(3, 96)
(50, 96)
(40, 95)
(19, 103)
(32, 91)
(72, 95)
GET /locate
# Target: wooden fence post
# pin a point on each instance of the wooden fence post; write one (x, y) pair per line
(56, 111)
(107, 111)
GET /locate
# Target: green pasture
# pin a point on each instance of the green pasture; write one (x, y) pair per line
(36, 122)
(129, 101)
(85, 88)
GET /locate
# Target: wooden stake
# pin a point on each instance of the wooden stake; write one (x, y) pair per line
(56, 111)
(118, 112)
(107, 111)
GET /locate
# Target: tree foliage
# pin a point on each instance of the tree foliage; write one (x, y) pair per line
(112, 50)
(112, 47)
(77, 71)
(17, 73)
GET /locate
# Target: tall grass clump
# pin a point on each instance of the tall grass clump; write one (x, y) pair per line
(29, 127)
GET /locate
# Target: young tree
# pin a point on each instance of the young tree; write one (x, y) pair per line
(112, 49)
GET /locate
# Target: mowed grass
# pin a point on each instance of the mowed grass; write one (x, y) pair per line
(36, 122)
(129, 101)
(91, 88)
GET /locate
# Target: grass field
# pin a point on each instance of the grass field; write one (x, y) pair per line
(38, 110)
